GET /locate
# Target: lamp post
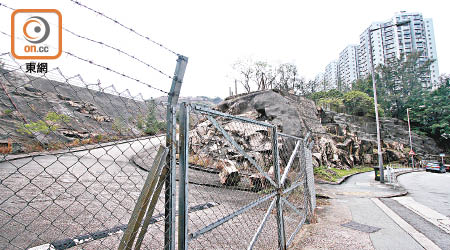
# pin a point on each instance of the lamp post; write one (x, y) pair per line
(374, 86)
(410, 138)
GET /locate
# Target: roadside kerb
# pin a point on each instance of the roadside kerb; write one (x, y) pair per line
(75, 149)
(340, 181)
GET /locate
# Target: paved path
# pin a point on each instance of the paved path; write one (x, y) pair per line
(356, 195)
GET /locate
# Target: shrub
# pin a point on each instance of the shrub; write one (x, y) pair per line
(150, 124)
(118, 125)
(334, 104)
(51, 123)
(7, 111)
(332, 93)
(360, 104)
(55, 117)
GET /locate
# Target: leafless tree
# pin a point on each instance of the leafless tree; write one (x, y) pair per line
(244, 73)
(263, 75)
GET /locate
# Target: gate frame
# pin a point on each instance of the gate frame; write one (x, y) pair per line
(183, 235)
(170, 183)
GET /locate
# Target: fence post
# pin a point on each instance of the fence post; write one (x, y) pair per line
(183, 176)
(303, 167)
(170, 183)
(276, 164)
(310, 182)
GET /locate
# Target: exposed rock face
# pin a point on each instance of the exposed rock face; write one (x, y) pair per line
(357, 136)
(291, 113)
(91, 113)
(341, 140)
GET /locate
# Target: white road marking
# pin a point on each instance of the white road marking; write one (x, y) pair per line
(436, 218)
(43, 247)
(419, 237)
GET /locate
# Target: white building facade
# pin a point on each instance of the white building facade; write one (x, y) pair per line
(319, 81)
(331, 76)
(415, 36)
(348, 67)
(365, 62)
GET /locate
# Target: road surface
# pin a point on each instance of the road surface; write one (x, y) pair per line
(54, 197)
(72, 196)
(429, 189)
(426, 207)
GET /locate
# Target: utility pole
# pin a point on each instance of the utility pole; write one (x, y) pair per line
(235, 87)
(374, 86)
(410, 138)
(377, 119)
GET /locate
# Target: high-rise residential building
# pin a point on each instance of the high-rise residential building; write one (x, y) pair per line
(365, 63)
(432, 54)
(331, 75)
(348, 67)
(415, 36)
(320, 82)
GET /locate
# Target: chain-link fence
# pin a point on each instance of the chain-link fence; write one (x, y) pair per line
(84, 166)
(251, 180)
(74, 159)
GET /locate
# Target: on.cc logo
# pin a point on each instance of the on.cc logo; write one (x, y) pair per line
(36, 30)
(36, 34)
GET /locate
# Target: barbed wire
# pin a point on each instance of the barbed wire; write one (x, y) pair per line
(114, 71)
(108, 46)
(124, 26)
(105, 68)
(3, 5)
(118, 50)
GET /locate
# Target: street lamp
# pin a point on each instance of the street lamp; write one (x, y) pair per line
(374, 86)
(410, 139)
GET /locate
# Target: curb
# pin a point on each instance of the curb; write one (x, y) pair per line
(404, 192)
(340, 181)
(394, 195)
(75, 149)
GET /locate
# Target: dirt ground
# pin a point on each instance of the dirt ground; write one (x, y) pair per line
(327, 232)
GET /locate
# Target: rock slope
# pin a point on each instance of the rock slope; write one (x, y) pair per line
(341, 141)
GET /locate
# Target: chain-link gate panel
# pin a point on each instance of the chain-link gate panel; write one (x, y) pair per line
(248, 180)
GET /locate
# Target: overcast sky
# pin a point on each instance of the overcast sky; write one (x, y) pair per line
(215, 34)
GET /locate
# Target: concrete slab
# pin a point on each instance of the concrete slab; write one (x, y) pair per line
(364, 211)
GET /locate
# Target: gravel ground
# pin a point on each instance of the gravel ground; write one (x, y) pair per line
(328, 233)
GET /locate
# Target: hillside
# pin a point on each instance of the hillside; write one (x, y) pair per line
(341, 141)
(41, 114)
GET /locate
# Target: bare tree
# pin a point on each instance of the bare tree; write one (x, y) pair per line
(287, 76)
(244, 73)
(263, 75)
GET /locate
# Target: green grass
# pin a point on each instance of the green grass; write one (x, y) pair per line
(334, 174)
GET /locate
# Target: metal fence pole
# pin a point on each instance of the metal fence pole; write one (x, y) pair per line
(276, 164)
(169, 208)
(310, 188)
(183, 175)
(303, 167)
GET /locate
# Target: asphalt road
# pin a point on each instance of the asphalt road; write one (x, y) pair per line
(426, 192)
(429, 189)
(54, 198)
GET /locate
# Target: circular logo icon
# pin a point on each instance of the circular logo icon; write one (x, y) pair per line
(36, 29)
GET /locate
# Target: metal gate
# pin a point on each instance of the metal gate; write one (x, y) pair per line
(242, 184)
